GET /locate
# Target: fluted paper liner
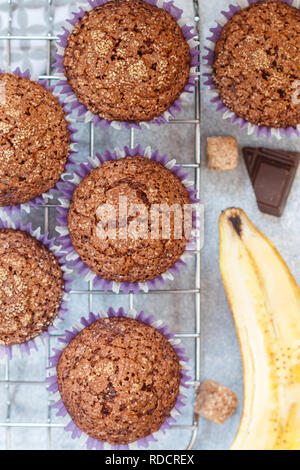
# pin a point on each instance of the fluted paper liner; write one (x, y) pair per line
(26, 348)
(59, 405)
(42, 199)
(81, 109)
(260, 131)
(68, 188)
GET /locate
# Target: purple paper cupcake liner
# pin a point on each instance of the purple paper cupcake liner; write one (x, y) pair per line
(42, 199)
(260, 131)
(26, 348)
(81, 109)
(68, 187)
(59, 405)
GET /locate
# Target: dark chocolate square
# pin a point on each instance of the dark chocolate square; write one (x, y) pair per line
(272, 173)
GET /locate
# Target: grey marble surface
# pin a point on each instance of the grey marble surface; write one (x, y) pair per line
(220, 349)
(220, 356)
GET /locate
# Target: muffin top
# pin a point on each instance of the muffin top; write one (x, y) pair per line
(127, 62)
(34, 140)
(132, 250)
(257, 64)
(119, 380)
(31, 287)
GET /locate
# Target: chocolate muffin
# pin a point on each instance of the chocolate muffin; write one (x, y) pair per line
(34, 140)
(257, 64)
(119, 380)
(131, 249)
(127, 62)
(31, 287)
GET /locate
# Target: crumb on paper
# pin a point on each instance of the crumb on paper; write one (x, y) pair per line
(222, 153)
(215, 402)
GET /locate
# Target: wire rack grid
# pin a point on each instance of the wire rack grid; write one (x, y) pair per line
(50, 39)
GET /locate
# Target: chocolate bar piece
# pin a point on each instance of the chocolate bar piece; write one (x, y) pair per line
(272, 173)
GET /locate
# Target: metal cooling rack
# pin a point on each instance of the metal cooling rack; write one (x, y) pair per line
(50, 39)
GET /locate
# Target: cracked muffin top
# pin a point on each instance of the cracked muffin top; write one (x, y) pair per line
(257, 64)
(134, 249)
(34, 140)
(127, 62)
(119, 380)
(31, 287)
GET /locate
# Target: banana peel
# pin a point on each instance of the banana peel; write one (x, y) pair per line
(265, 302)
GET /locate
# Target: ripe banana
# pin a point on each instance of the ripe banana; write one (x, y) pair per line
(265, 302)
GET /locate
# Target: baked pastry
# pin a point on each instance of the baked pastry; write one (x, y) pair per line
(31, 287)
(134, 251)
(119, 380)
(257, 64)
(34, 140)
(127, 61)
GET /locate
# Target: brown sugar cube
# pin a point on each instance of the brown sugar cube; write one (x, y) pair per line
(222, 153)
(215, 402)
